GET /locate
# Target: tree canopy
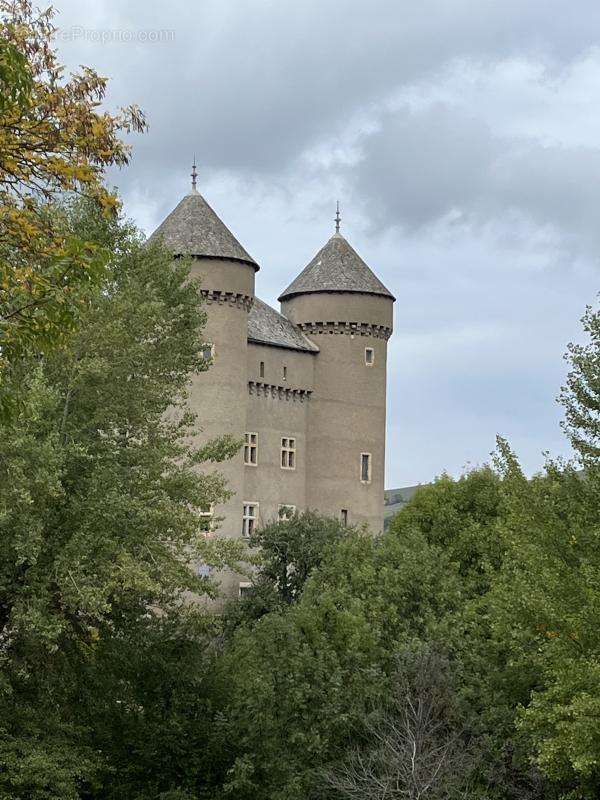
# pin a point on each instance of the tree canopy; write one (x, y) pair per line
(100, 495)
(55, 137)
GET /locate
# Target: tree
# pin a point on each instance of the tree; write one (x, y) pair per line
(298, 684)
(54, 138)
(99, 499)
(581, 395)
(460, 516)
(544, 605)
(414, 748)
(290, 550)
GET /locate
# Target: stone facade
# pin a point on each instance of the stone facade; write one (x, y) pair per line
(305, 388)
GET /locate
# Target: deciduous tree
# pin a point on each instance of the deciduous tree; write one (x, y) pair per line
(55, 137)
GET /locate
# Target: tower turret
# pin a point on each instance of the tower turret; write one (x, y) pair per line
(226, 273)
(345, 309)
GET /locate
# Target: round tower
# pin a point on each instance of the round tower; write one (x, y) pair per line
(346, 310)
(226, 273)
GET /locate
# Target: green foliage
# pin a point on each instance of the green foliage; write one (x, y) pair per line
(290, 551)
(459, 516)
(481, 601)
(54, 139)
(546, 602)
(581, 396)
(99, 501)
(301, 681)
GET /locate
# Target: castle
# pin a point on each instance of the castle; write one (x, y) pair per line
(304, 389)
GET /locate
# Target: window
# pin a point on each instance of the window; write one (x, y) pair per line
(286, 512)
(344, 517)
(208, 351)
(261, 369)
(244, 588)
(206, 515)
(288, 454)
(250, 519)
(365, 467)
(251, 449)
(285, 373)
(369, 356)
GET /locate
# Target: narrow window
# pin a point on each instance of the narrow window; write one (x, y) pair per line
(261, 369)
(206, 514)
(249, 519)
(285, 373)
(251, 449)
(286, 512)
(365, 467)
(369, 356)
(288, 453)
(344, 517)
(244, 588)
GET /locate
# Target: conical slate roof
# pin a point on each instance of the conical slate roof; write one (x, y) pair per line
(194, 229)
(337, 267)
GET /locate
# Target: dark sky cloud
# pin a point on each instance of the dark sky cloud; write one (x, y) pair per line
(462, 140)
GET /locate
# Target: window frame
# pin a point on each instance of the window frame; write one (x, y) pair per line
(247, 528)
(243, 585)
(208, 517)
(344, 517)
(370, 350)
(369, 477)
(249, 448)
(288, 453)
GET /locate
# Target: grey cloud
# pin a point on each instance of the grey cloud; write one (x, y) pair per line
(423, 166)
(488, 239)
(252, 84)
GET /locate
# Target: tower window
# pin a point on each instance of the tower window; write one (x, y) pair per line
(288, 453)
(285, 373)
(369, 356)
(365, 467)
(251, 449)
(344, 517)
(206, 514)
(261, 369)
(286, 512)
(249, 519)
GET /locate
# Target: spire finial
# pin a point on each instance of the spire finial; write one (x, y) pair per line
(194, 175)
(338, 219)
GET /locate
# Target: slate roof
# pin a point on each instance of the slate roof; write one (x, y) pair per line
(194, 229)
(337, 267)
(266, 326)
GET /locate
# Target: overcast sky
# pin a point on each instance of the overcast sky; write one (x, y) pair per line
(462, 138)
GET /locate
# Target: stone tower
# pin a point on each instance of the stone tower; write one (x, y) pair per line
(226, 272)
(304, 390)
(344, 308)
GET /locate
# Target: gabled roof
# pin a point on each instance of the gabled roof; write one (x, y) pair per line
(337, 267)
(194, 229)
(267, 326)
